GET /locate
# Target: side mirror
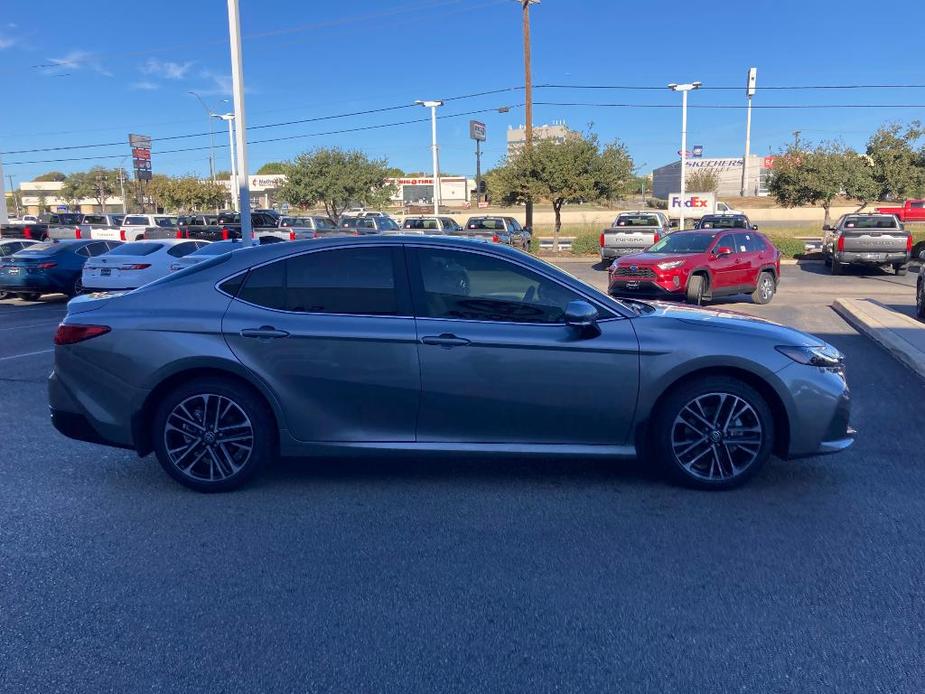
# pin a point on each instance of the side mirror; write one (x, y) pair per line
(583, 316)
(722, 250)
(754, 227)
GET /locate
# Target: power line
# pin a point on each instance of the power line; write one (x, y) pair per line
(726, 106)
(663, 87)
(269, 140)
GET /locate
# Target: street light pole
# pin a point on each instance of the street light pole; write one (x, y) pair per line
(432, 105)
(528, 97)
(229, 117)
(684, 89)
(13, 195)
(749, 93)
(237, 83)
(211, 136)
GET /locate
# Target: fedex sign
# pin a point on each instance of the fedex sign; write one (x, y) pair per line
(694, 203)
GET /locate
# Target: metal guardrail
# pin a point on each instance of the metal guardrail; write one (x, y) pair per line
(565, 243)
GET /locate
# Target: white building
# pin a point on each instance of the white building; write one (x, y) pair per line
(419, 190)
(667, 179)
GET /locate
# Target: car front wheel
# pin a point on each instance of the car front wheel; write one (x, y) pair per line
(713, 433)
(764, 291)
(695, 288)
(213, 434)
(899, 269)
(920, 300)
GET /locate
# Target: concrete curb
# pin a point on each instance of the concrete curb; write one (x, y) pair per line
(900, 335)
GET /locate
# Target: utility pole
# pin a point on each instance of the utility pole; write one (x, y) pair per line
(13, 195)
(528, 97)
(433, 105)
(122, 186)
(3, 212)
(237, 86)
(211, 135)
(749, 93)
(478, 173)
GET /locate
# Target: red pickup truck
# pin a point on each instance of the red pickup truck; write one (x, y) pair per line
(911, 211)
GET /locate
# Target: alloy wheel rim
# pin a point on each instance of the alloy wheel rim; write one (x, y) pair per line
(766, 288)
(716, 436)
(208, 437)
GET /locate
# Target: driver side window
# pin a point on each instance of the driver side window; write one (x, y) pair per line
(470, 286)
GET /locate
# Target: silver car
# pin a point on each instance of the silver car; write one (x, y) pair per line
(435, 344)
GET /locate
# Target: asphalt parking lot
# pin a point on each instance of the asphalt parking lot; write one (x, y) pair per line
(469, 574)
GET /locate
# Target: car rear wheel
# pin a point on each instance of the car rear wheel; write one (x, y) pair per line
(764, 291)
(30, 296)
(76, 289)
(213, 434)
(713, 433)
(836, 266)
(899, 269)
(695, 288)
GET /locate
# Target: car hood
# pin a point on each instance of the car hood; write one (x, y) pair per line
(653, 258)
(731, 321)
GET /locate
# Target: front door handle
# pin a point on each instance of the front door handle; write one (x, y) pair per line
(265, 332)
(445, 340)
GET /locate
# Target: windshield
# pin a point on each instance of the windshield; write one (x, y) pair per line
(884, 222)
(387, 223)
(687, 242)
(218, 248)
(139, 248)
(724, 223)
(135, 221)
(165, 221)
(636, 220)
(39, 248)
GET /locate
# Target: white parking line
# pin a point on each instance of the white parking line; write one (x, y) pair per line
(26, 354)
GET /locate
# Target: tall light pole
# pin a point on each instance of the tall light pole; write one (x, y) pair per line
(237, 86)
(229, 118)
(528, 96)
(3, 211)
(211, 135)
(749, 93)
(432, 105)
(684, 89)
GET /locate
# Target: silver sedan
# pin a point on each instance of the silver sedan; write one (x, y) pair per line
(432, 344)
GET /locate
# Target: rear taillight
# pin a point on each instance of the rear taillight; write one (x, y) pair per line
(602, 239)
(292, 236)
(122, 234)
(46, 266)
(225, 233)
(909, 244)
(495, 239)
(72, 334)
(841, 243)
(656, 238)
(76, 232)
(27, 232)
(179, 233)
(136, 266)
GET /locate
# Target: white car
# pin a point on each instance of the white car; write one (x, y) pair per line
(133, 227)
(131, 265)
(723, 208)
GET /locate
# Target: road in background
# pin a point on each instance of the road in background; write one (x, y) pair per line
(448, 574)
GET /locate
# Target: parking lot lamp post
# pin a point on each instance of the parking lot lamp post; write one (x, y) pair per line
(240, 122)
(432, 105)
(749, 93)
(684, 89)
(229, 118)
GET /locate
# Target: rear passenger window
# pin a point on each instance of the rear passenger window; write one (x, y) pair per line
(358, 281)
(182, 249)
(754, 243)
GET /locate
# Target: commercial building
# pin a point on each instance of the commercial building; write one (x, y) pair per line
(667, 179)
(557, 131)
(419, 190)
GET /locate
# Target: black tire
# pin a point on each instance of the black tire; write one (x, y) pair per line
(248, 420)
(899, 269)
(30, 296)
(836, 266)
(5, 295)
(76, 289)
(764, 290)
(705, 467)
(695, 289)
(920, 299)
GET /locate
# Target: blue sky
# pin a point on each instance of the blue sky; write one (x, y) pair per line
(90, 73)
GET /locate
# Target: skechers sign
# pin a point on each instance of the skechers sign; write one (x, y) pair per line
(701, 203)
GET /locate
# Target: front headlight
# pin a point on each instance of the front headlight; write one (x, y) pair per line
(825, 356)
(670, 264)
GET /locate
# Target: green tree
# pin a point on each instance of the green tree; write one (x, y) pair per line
(576, 170)
(272, 167)
(817, 176)
(336, 179)
(702, 181)
(898, 167)
(104, 183)
(77, 186)
(55, 176)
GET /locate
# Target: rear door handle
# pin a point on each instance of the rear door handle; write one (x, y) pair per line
(265, 332)
(445, 340)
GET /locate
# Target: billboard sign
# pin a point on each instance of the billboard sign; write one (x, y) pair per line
(751, 82)
(693, 204)
(477, 130)
(141, 156)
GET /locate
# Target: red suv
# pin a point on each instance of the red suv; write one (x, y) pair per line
(701, 265)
